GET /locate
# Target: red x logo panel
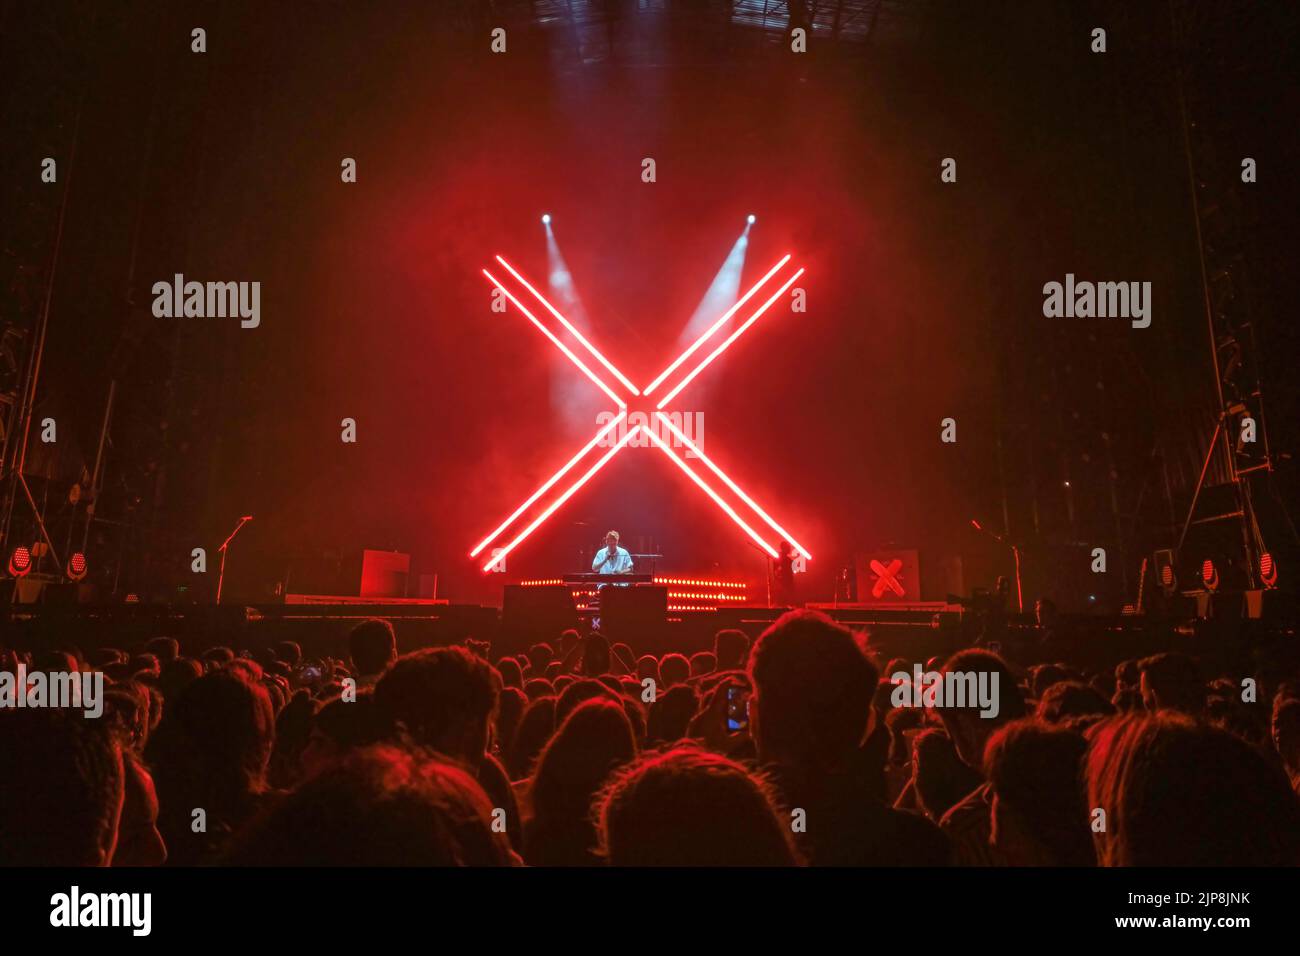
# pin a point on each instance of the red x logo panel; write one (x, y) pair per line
(887, 578)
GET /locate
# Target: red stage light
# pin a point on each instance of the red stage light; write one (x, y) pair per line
(1210, 575)
(622, 417)
(576, 334)
(731, 338)
(600, 435)
(1268, 570)
(708, 333)
(730, 512)
(20, 562)
(77, 566)
(682, 437)
(558, 344)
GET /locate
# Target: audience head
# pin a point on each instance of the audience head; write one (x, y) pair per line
(126, 708)
(232, 762)
(215, 657)
(511, 673)
(1126, 675)
(1069, 699)
(595, 656)
(1286, 733)
(702, 663)
(813, 686)
(691, 807)
(178, 675)
(593, 740)
(539, 656)
(535, 728)
(1181, 793)
(290, 652)
(968, 726)
(1171, 681)
(372, 645)
(569, 639)
(1046, 676)
(648, 666)
(166, 649)
(1039, 817)
(674, 669)
(341, 727)
(730, 649)
(536, 687)
(580, 691)
(442, 698)
(379, 806)
(61, 788)
(940, 777)
(623, 657)
(671, 713)
(510, 708)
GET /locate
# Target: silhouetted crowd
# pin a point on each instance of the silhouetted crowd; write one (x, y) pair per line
(792, 751)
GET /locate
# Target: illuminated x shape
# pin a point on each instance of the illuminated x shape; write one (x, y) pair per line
(679, 460)
(887, 578)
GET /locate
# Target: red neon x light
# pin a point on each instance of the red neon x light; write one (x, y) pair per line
(887, 578)
(500, 554)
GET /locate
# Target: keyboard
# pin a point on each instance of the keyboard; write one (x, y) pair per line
(592, 578)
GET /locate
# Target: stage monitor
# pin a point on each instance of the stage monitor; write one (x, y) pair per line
(537, 613)
(634, 614)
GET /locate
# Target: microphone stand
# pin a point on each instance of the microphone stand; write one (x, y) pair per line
(1015, 553)
(225, 546)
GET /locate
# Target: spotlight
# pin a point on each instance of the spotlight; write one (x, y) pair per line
(1164, 558)
(751, 219)
(1210, 575)
(546, 218)
(77, 567)
(1268, 570)
(20, 562)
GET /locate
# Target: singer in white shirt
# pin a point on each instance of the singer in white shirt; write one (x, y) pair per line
(612, 559)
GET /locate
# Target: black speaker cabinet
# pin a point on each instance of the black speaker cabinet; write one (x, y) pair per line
(537, 613)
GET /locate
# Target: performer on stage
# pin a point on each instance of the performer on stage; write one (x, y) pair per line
(612, 559)
(783, 593)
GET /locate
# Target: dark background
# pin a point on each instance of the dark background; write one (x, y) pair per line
(924, 298)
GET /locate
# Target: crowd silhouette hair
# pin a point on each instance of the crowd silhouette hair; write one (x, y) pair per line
(789, 750)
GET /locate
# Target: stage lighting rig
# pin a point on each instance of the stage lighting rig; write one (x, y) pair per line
(655, 422)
